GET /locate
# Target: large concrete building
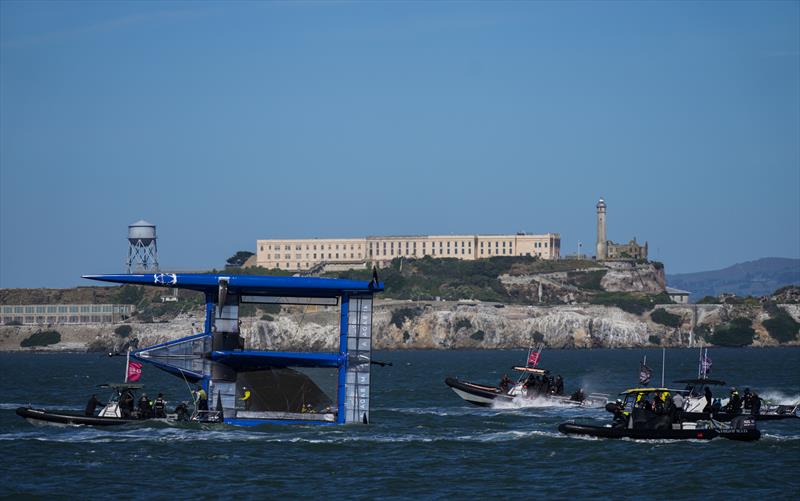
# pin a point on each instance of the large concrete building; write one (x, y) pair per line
(54, 314)
(304, 254)
(606, 249)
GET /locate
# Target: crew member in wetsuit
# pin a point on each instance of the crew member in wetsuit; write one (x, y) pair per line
(126, 404)
(160, 407)
(91, 405)
(145, 411)
(734, 403)
(182, 412)
(578, 396)
(747, 399)
(201, 399)
(620, 418)
(246, 394)
(755, 407)
(559, 385)
(505, 383)
(658, 405)
(709, 400)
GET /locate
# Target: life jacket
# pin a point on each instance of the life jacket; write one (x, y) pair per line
(159, 404)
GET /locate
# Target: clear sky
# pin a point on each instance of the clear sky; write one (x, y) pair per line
(227, 122)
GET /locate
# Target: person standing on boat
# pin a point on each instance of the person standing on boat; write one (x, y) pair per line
(559, 385)
(126, 404)
(755, 404)
(160, 407)
(709, 400)
(505, 383)
(658, 404)
(747, 399)
(145, 411)
(734, 403)
(246, 395)
(677, 413)
(91, 405)
(201, 399)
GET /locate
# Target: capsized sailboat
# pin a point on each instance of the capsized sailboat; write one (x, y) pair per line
(249, 387)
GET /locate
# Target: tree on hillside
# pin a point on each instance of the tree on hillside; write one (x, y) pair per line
(239, 258)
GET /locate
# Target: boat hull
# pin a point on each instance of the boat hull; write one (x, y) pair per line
(67, 418)
(669, 434)
(486, 396)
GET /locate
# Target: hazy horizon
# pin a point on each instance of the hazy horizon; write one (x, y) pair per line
(224, 123)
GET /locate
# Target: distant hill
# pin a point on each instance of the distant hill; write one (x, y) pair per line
(752, 278)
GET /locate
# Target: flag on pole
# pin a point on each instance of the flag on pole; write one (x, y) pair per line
(705, 365)
(134, 371)
(533, 358)
(645, 373)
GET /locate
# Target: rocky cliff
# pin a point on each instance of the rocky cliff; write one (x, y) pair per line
(441, 325)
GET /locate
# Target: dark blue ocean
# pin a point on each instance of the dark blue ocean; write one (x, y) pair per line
(424, 442)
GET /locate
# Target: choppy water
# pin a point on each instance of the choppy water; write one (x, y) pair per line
(424, 442)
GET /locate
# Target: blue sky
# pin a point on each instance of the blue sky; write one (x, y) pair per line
(224, 123)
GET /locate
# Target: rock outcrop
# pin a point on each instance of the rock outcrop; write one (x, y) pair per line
(438, 325)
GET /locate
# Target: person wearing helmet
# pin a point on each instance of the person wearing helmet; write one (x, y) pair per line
(747, 399)
(734, 402)
(246, 394)
(658, 404)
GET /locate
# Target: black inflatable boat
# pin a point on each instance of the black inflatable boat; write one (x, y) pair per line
(741, 434)
(62, 417)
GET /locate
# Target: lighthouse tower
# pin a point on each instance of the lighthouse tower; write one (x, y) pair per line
(602, 248)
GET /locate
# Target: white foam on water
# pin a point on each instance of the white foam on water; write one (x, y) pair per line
(526, 403)
(507, 436)
(779, 397)
(779, 438)
(438, 411)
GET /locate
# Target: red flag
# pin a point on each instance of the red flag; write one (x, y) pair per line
(134, 371)
(533, 358)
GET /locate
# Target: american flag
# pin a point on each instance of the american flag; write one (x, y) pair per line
(645, 373)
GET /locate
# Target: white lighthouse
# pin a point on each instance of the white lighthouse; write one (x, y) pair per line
(602, 246)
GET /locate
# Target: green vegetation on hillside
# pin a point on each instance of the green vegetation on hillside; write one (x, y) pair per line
(589, 280)
(663, 317)
(737, 332)
(780, 326)
(631, 302)
(239, 258)
(123, 330)
(41, 338)
(454, 279)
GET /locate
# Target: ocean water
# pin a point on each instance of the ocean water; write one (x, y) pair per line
(424, 442)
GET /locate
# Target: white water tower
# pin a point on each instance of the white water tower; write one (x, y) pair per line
(142, 248)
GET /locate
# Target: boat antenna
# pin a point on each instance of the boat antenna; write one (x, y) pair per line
(663, 361)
